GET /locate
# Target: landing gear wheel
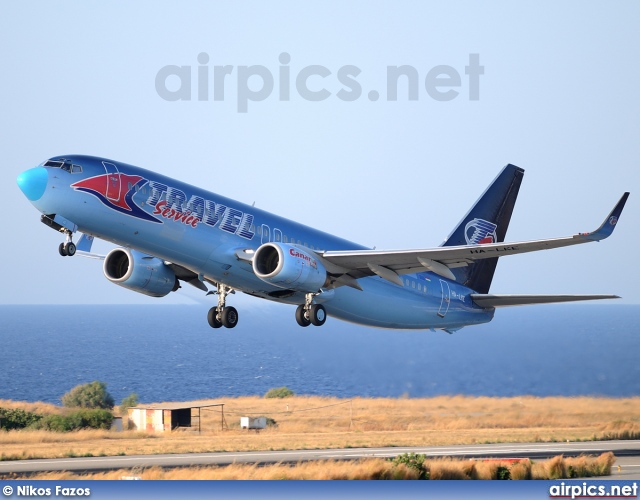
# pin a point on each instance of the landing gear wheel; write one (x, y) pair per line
(70, 248)
(301, 318)
(62, 250)
(317, 314)
(212, 318)
(222, 315)
(229, 317)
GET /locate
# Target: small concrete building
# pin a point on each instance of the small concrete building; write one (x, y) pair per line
(167, 416)
(253, 422)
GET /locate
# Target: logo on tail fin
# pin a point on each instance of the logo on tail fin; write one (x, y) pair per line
(480, 231)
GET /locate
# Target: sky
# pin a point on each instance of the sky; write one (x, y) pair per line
(548, 86)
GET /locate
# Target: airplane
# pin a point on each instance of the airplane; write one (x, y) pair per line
(168, 232)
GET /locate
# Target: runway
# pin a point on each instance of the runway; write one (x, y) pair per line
(628, 453)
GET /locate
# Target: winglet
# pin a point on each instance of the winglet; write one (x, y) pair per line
(609, 224)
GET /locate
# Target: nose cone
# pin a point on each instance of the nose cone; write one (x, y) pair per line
(33, 182)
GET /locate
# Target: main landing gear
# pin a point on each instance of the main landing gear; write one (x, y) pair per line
(222, 315)
(227, 316)
(68, 248)
(311, 314)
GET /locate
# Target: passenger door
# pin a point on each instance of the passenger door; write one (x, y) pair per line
(446, 298)
(113, 181)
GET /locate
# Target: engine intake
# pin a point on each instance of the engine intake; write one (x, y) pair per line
(139, 272)
(286, 266)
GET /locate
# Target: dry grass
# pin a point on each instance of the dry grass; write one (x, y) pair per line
(39, 407)
(364, 469)
(583, 466)
(329, 469)
(316, 422)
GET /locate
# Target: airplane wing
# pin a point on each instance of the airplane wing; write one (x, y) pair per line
(348, 266)
(507, 300)
(84, 248)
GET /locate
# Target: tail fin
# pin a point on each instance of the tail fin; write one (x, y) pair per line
(486, 222)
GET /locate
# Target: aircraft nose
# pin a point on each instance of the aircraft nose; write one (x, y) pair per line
(33, 182)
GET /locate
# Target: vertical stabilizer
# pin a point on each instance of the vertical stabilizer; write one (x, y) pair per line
(486, 222)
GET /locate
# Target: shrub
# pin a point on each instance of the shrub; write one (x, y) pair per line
(57, 423)
(413, 461)
(16, 418)
(91, 395)
(80, 419)
(271, 422)
(503, 472)
(279, 392)
(129, 402)
(93, 419)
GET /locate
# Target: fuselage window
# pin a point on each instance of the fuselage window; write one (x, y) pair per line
(413, 284)
(285, 239)
(259, 231)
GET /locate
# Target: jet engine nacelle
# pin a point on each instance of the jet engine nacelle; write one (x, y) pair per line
(139, 272)
(289, 267)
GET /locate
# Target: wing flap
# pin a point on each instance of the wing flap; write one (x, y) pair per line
(188, 276)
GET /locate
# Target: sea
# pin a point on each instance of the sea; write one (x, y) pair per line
(169, 353)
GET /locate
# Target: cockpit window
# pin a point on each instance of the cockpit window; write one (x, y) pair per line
(64, 165)
(53, 163)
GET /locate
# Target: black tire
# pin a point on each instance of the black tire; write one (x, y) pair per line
(301, 318)
(229, 317)
(70, 248)
(318, 314)
(62, 251)
(212, 318)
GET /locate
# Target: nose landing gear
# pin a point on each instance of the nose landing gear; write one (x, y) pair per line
(222, 315)
(68, 248)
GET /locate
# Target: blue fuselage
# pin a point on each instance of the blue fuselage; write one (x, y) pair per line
(205, 233)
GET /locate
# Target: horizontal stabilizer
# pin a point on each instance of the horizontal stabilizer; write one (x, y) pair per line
(506, 300)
